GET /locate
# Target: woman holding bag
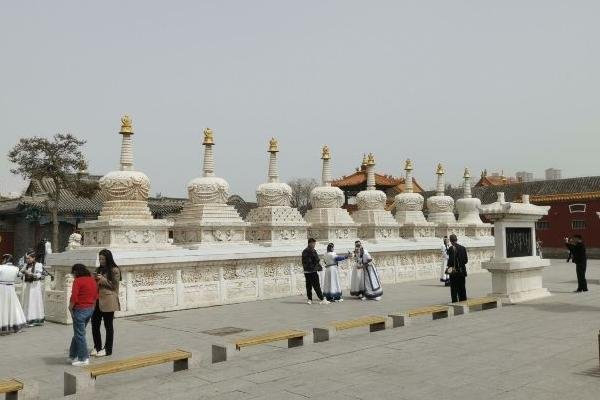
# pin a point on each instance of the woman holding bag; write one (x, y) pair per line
(108, 276)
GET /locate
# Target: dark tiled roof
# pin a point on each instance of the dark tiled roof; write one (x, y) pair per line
(243, 207)
(512, 192)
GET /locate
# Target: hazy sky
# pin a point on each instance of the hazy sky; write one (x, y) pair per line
(510, 85)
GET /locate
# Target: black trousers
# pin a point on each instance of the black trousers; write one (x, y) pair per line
(97, 319)
(581, 282)
(312, 282)
(458, 291)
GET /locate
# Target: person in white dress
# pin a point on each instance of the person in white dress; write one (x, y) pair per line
(332, 290)
(12, 318)
(33, 298)
(357, 280)
(372, 284)
(444, 277)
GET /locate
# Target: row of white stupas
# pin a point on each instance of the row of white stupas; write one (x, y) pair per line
(206, 218)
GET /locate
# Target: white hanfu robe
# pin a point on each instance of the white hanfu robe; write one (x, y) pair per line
(373, 289)
(12, 318)
(357, 280)
(332, 290)
(443, 275)
(33, 297)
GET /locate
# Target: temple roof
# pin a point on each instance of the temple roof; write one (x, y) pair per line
(571, 189)
(359, 180)
(495, 181)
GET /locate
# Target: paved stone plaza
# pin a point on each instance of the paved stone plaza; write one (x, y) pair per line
(544, 349)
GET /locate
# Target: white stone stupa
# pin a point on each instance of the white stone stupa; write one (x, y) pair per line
(468, 211)
(409, 210)
(206, 217)
(376, 223)
(274, 221)
(125, 220)
(328, 221)
(441, 209)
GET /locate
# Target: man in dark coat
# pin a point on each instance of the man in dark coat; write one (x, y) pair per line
(457, 270)
(579, 257)
(311, 264)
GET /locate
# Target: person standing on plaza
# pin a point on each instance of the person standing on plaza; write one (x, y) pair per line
(357, 280)
(372, 284)
(311, 265)
(331, 287)
(84, 294)
(444, 278)
(12, 318)
(577, 249)
(457, 270)
(108, 276)
(33, 298)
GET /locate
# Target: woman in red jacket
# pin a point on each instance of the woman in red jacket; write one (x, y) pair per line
(84, 294)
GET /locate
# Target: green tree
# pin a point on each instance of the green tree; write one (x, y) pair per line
(59, 159)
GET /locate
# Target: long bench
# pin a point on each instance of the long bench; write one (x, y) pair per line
(221, 352)
(480, 303)
(79, 380)
(374, 322)
(11, 388)
(403, 319)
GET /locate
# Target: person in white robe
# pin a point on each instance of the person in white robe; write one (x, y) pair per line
(444, 277)
(33, 298)
(357, 280)
(373, 289)
(332, 290)
(12, 318)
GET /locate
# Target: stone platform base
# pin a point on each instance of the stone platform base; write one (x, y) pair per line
(517, 279)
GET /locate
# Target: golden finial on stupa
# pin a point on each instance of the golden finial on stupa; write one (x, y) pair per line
(325, 153)
(364, 161)
(371, 159)
(126, 126)
(208, 137)
(273, 145)
(467, 173)
(408, 166)
(440, 169)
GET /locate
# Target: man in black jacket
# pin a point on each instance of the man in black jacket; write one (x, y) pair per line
(579, 257)
(457, 269)
(311, 265)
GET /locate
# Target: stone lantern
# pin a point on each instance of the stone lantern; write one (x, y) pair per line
(516, 269)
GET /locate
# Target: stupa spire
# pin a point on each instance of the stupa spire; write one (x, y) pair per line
(408, 181)
(273, 166)
(467, 184)
(370, 172)
(126, 144)
(209, 161)
(440, 180)
(326, 173)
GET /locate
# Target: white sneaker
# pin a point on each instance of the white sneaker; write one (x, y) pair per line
(93, 352)
(309, 302)
(377, 298)
(78, 363)
(324, 301)
(71, 360)
(363, 299)
(101, 353)
(339, 300)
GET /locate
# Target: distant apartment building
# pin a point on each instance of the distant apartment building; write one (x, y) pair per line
(553, 174)
(524, 176)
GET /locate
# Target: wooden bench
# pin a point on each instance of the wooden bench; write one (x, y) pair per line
(374, 322)
(436, 312)
(11, 388)
(295, 338)
(79, 380)
(481, 303)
